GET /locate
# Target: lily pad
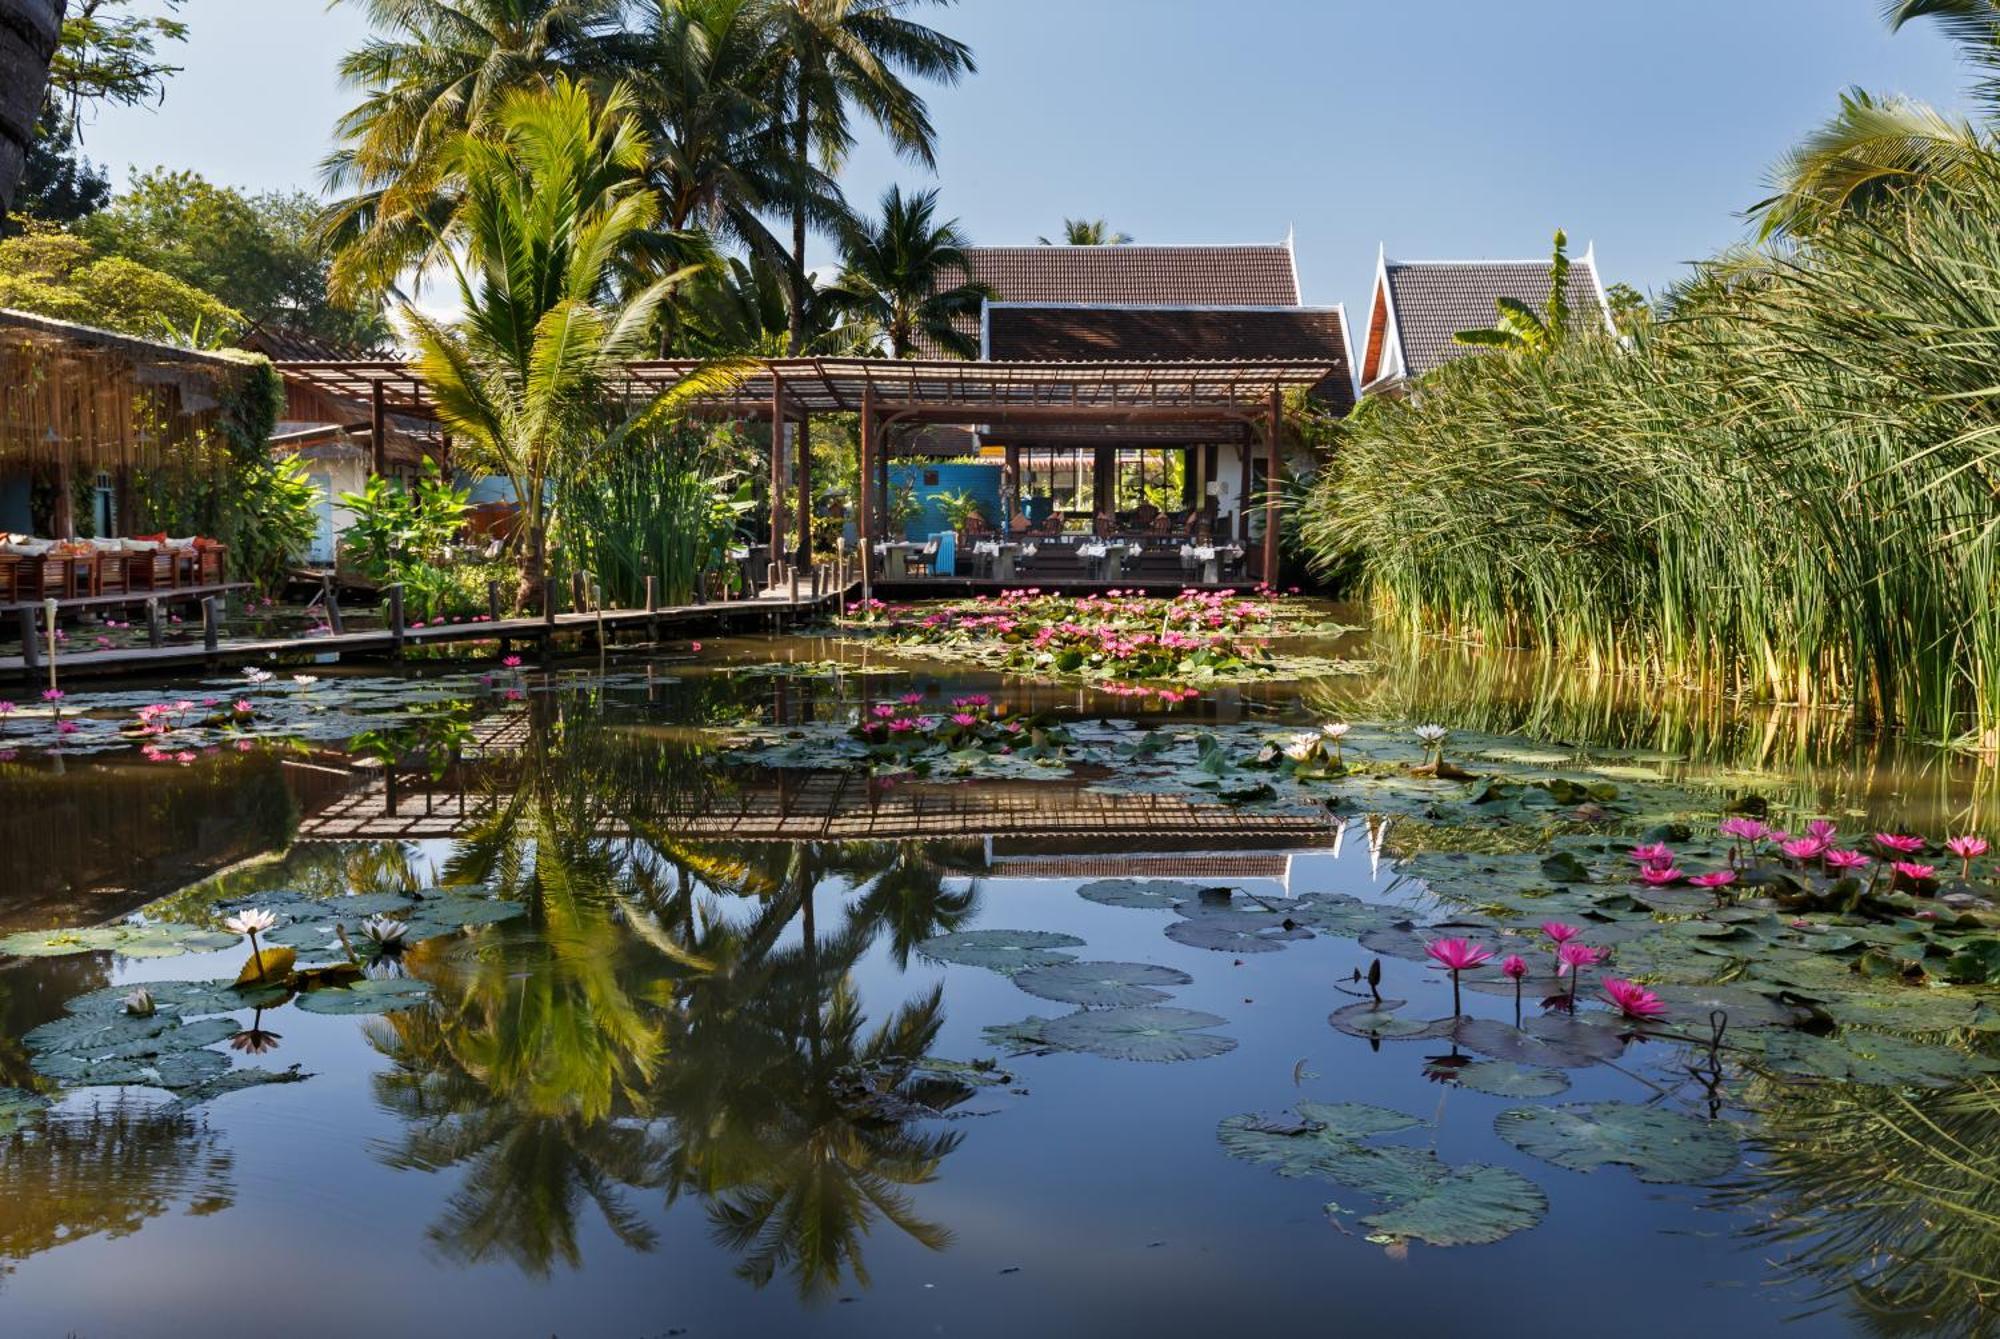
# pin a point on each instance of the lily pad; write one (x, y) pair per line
(172, 1069)
(368, 996)
(1504, 1078)
(1005, 951)
(1321, 1143)
(1222, 937)
(1377, 1020)
(236, 1080)
(1148, 1032)
(1554, 1041)
(1148, 893)
(161, 940)
(1658, 1145)
(1101, 984)
(1876, 1058)
(1744, 1006)
(1470, 1205)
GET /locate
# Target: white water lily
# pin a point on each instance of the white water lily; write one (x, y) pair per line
(1335, 729)
(1432, 734)
(386, 931)
(252, 922)
(1301, 747)
(140, 1003)
(305, 680)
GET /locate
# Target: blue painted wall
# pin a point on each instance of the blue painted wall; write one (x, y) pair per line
(981, 480)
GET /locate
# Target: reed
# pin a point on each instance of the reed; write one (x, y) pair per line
(1786, 490)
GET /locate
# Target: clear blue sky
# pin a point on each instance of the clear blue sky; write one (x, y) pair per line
(1455, 128)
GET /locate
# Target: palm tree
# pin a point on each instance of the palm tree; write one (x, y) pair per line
(553, 203)
(908, 275)
(442, 68)
(1876, 147)
(838, 54)
(1520, 328)
(1090, 232)
(29, 30)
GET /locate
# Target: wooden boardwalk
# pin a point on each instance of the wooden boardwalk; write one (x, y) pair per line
(771, 608)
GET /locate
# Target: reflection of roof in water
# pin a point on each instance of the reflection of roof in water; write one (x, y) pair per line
(816, 806)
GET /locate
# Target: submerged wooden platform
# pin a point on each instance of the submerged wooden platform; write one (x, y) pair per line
(846, 806)
(380, 642)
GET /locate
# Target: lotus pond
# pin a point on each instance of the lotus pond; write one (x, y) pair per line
(820, 986)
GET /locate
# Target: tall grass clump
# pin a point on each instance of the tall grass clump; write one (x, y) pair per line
(662, 504)
(1785, 489)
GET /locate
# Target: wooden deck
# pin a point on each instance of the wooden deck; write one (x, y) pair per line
(142, 660)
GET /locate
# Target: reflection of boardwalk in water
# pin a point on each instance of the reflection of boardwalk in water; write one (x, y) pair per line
(844, 806)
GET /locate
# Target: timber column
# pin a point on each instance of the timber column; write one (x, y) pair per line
(1273, 432)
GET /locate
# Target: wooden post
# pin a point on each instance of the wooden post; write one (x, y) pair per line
(330, 592)
(777, 487)
(805, 490)
(865, 527)
(652, 595)
(1274, 433)
(378, 429)
(156, 632)
(394, 596)
(1103, 483)
(576, 591)
(211, 624)
(31, 640)
(549, 602)
(1010, 486)
(1246, 449)
(493, 601)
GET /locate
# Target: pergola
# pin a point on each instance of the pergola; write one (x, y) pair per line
(1239, 398)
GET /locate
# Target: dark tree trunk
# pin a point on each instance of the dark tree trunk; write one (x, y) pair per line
(29, 30)
(801, 146)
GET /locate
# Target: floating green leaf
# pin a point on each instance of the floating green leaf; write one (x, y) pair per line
(1100, 984)
(1504, 1078)
(1148, 893)
(1658, 1145)
(367, 996)
(1469, 1205)
(1552, 1041)
(1149, 1032)
(1377, 1020)
(161, 940)
(1006, 951)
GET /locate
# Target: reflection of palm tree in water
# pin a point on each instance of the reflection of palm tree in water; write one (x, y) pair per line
(562, 1066)
(1892, 1198)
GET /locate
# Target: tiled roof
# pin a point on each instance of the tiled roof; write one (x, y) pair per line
(1255, 275)
(1435, 299)
(1060, 333)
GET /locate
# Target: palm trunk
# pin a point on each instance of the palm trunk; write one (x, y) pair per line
(795, 342)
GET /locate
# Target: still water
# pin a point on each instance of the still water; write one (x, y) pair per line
(702, 1086)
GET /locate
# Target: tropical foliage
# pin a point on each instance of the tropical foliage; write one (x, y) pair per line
(1089, 232)
(908, 277)
(551, 205)
(1522, 329)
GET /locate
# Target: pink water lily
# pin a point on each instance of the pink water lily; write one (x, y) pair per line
(1914, 872)
(511, 662)
(1823, 829)
(1720, 878)
(1901, 845)
(1515, 966)
(1633, 1001)
(1559, 932)
(963, 719)
(1659, 876)
(1743, 829)
(1839, 857)
(1572, 956)
(1455, 956)
(1805, 849)
(1967, 848)
(1653, 853)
